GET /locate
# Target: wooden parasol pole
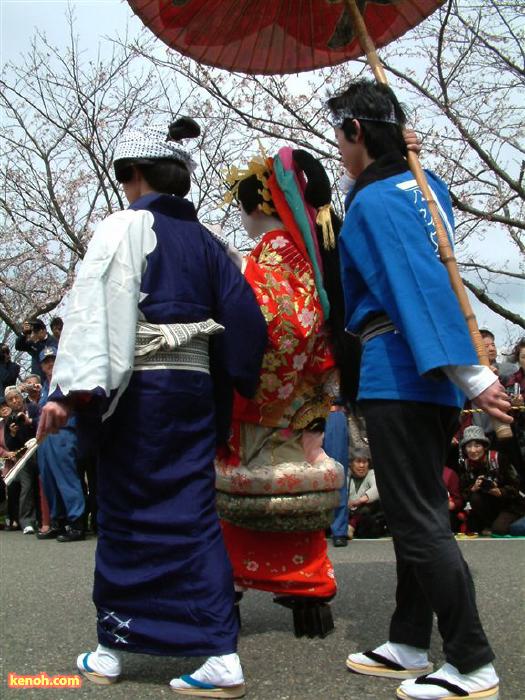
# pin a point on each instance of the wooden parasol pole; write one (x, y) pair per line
(446, 252)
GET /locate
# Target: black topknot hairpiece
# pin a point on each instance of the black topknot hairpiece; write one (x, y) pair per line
(183, 128)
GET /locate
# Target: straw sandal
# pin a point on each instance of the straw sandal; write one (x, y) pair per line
(453, 691)
(90, 674)
(207, 690)
(385, 668)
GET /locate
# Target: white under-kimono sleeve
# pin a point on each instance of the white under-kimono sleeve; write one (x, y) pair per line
(97, 345)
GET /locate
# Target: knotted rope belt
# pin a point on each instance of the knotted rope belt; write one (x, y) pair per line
(174, 345)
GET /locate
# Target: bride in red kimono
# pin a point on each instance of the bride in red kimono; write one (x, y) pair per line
(277, 488)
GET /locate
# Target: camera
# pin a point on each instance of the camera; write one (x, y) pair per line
(487, 484)
(19, 419)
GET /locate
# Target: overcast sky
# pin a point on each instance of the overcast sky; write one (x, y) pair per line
(97, 19)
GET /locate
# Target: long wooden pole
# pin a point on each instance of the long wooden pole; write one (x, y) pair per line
(446, 252)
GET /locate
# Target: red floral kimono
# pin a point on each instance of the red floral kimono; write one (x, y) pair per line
(296, 364)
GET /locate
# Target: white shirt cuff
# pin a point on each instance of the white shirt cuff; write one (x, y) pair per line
(471, 379)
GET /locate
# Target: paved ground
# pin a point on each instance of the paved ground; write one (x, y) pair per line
(47, 618)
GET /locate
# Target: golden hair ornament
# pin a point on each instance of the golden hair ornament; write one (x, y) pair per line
(261, 166)
(324, 220)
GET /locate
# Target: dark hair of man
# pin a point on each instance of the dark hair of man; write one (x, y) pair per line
(372, 101)
(165, 175)
(485, 333)
(56, 323)
(38, 325)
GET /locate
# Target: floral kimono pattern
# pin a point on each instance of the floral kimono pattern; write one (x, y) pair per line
(266, 431)
(297, 356)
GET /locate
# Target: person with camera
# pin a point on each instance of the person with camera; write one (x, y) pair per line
(490, 484)
(33, 339)
(20, 427)
(7, 493)
(32, 387)
(9, 370)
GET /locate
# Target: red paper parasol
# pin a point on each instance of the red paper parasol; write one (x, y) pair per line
(276, 36)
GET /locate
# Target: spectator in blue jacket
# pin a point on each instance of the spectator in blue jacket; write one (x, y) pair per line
(57, 462)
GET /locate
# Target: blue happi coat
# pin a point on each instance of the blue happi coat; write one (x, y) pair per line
(163, 582)
(390, 264)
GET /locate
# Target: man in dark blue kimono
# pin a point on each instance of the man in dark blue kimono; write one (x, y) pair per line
(160, 328)
(418, 362)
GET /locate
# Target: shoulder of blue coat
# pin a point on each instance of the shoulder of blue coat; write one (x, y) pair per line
(375, 197)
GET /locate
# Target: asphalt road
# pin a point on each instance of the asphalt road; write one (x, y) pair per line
(47, 618)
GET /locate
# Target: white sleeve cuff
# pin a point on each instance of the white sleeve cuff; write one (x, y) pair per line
(471, 379)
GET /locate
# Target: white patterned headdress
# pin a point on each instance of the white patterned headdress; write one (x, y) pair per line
(150, 142)
(337, 117)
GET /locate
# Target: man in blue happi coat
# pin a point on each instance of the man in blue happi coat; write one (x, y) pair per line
(417, 365)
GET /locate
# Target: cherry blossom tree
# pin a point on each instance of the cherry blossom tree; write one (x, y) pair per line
(461, 74)
(61, 117)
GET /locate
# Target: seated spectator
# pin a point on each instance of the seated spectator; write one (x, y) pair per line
(57, 461)
(9, 370)
(33, 339)
(455, 501)
(515, 385)
(56, 326)
(21, 426)
(366, 518)
(490, 484)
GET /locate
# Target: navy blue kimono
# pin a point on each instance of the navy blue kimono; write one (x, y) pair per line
(163, 582)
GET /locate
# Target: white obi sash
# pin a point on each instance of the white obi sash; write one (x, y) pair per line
(174, 345)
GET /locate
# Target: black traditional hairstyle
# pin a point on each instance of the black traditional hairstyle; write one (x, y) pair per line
(346, 348)
(166, 175)
(374, 103)
(249, 194)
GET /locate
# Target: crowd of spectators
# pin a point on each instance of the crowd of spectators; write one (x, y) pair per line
(54, 495)
(49, 494)
(484, 476)
(491, 467)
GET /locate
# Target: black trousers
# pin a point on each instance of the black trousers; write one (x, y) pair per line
(408, 442)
